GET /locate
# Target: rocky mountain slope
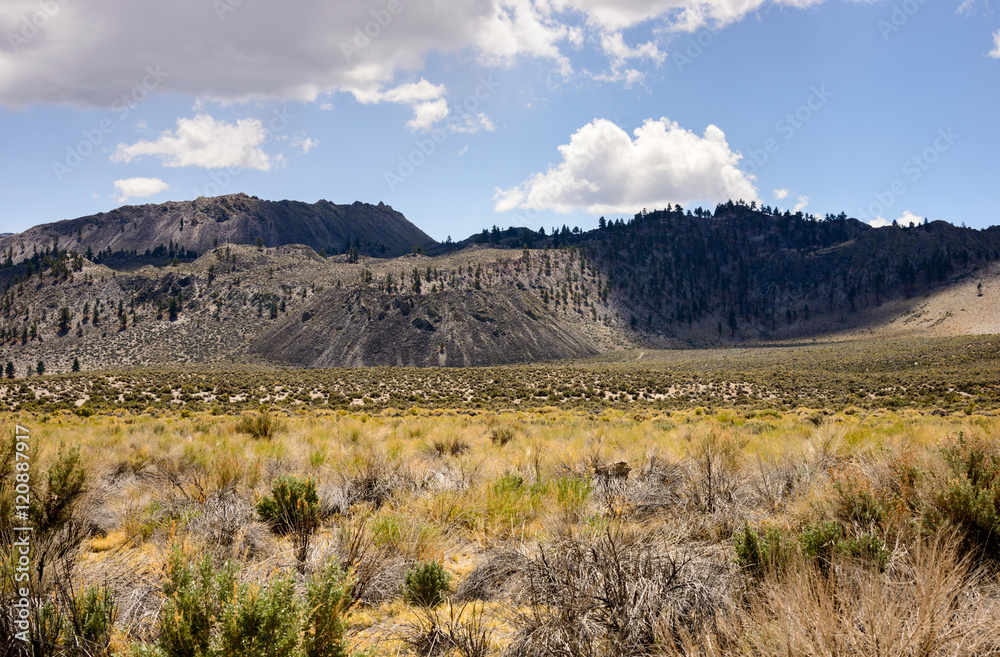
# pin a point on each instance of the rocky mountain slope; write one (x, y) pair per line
(201, 224)
(668, 279)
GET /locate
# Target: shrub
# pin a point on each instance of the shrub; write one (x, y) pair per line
(92, 616)
(856, 503)
(292, 508)
(208, 614)
(426, 584)
(325, 619)
(502, 435)
(757, 554)
(260, 425)
(970, 500)
(260, 621)
(868, 548)
(194, 599)
(820, 542)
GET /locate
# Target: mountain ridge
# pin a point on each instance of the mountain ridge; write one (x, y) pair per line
(665, 279)
(205, 222)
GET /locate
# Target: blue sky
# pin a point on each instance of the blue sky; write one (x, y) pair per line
(525, 112)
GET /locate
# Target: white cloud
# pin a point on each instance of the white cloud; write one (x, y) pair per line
(426, 99)
(995, 53)
(780, 194)
(139, 188)
(304, 144)
(801, 205)
(204, 142)
(90, 53)
(903, 220)
(620, 54)
(908, 217)
(604, 171)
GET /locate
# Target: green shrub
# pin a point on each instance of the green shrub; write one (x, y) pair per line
(970, 499)
(426, 584)
(195, 596)
(502, 435)
(325, 620)
(857, 504)
(820, 542)
(758, 554)
(292, 508)
(260, 425)
(260, 621)
(868, 548)
(208, 614)
(96, 612)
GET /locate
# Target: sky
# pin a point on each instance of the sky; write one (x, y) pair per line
(538, 113)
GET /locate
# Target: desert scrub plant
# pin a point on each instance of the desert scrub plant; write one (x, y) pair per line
(500, 436)
(259, 425)
(260, 621)
(195, 596)
(970, 499)
(91, 618)
(328, 599)
(207, 613)
(761, 553)
(620, 594)
(426, 584)
(292, 508)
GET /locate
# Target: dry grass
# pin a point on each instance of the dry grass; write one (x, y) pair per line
(611, 532)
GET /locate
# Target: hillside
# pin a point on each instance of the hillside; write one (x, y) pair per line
(199, 225)
(668, 279)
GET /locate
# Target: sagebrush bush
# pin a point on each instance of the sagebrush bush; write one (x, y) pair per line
(209, 614)
(819, 542)
(326, 608)
(426, 584)
(502, 435)
(759, 554)
(92, 618)
(293, 504)
(259, 425)
(293, 507)
(260, 621)
(195, 596)
(970, 499)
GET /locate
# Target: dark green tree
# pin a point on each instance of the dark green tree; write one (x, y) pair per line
(65, 319)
